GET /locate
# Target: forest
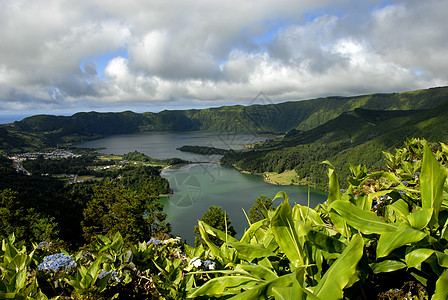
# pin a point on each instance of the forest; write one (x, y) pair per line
(51, 207)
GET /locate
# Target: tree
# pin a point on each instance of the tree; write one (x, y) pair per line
(114, 208)
(259, 210)
(216, 218)
(26, 224)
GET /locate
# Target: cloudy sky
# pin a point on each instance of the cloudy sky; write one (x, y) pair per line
(63, 56)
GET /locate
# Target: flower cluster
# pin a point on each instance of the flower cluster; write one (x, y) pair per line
(113, 275)
(171, 241)
(86, 255)
(154, 241)
(57, 262)
(209, 264)
(43, 245)
(197, 262)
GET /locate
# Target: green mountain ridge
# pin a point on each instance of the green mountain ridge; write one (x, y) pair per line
(302, 115)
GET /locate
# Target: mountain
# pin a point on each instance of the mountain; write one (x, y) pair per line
(292, 117)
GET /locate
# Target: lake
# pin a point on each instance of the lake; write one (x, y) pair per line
(199, 185)
(162, 145)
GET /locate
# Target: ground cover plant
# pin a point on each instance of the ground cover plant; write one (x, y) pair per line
(384, 237)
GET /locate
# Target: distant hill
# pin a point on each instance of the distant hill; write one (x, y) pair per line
(294, 116)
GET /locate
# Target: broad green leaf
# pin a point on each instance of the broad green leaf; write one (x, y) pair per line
(365, 221)
(340, 224)
(286, 235)
(284, 293)
(251, 232)
(257, 271)
(102, 283)
(20, 279)
(221, 285)
(117, 242)
(334, 193)
(420, 219)
(300, 212)
(95, 267)
(331, 286)
(251, 251)
(432, 179)
(282, 195)
(213, 248)
(325, 242)
(264, 290)
(400, 207)
(218, 233)
(387, 266)
(390, 241)
(416, 257)
(296, 291)
(441, 292)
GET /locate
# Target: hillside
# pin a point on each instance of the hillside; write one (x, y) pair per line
(48, 130)
(358, 136)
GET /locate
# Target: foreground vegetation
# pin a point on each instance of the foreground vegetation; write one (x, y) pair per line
(385, 236)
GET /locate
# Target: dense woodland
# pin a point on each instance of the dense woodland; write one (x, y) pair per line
(46, 207)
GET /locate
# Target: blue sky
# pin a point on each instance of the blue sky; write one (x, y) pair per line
(61, 56)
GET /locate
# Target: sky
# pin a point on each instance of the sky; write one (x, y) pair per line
(64, 56)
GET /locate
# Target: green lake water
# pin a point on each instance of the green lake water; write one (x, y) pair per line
(199, 185)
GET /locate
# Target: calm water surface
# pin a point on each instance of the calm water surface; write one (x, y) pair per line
(199, 185)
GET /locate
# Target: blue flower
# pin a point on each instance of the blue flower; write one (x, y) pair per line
(113, 275)
(43, 244)
(57, 262)
(154, 241)
(209, 264)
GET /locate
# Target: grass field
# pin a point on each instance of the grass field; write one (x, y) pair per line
(286, 178)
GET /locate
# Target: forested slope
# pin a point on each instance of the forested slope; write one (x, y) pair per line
(356, 136)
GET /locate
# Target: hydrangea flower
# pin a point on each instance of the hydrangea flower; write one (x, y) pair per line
(113, 275)
(153, 241)
(209, 264)
(86, 255)
(43, 245)
(57, 262)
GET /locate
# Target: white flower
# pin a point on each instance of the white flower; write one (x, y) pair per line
(196, 261)
(209, 264)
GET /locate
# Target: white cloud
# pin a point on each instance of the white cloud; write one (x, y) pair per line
(206, 51)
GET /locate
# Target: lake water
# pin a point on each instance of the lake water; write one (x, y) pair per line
(162, 145)
(200, 185)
